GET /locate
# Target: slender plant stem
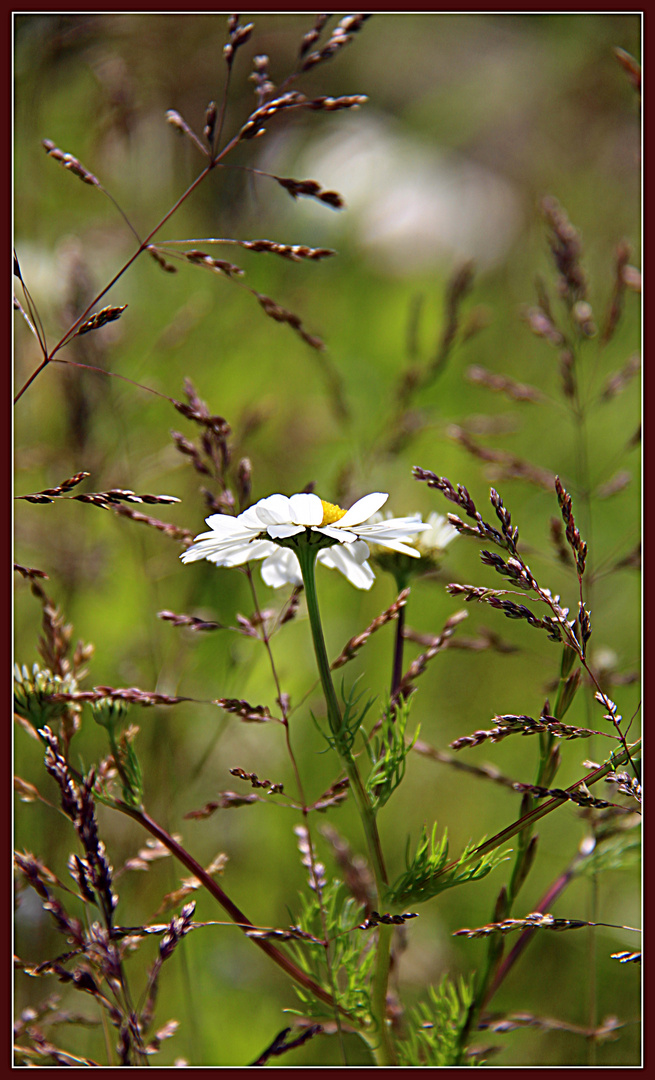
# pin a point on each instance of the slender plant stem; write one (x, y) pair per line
(304, 809)
(385, 1051)
(307, 558)
(546, 808)
(142, 246)
(592, 988)
(544, 905)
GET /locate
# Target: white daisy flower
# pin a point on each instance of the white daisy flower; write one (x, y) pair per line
(429, 544)
(437, 536)
(271, 528)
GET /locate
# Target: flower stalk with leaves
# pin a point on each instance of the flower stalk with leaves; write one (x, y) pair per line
(308, 530)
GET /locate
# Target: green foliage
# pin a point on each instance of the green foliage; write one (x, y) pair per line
(335, 917)
(352, 720)
(426, 875)
(107, 712)
(389, 754)
(434, 1026)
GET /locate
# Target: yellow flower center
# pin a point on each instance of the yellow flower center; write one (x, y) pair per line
(331, 513)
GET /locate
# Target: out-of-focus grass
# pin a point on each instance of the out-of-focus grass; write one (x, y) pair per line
(540, 102)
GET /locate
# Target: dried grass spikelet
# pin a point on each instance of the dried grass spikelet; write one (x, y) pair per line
(280, 314)
(502, 384)
(509, 466)
(341, 35)
(238, 35)
(631, 67)
(577, 545)
(219, 265)
(353, 646)
(292, 99)
(616, 383)
(294, 252)
(615, 309)
(131, 694)
(260, 77)
(254, 125)
(192, 622)
(616, 483)
(71, 163)
(175, 120)
(48, 495)
(334, 796)
(160, 260)
(542, 325)
(258, 714)
(227, 800)
(209, 129)
(311, 189)
(537, 920)
(272, 787)
(312, 36)
(101, 318)
(418, 666)
(566, 249)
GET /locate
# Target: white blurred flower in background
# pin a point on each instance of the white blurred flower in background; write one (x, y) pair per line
(410, 206)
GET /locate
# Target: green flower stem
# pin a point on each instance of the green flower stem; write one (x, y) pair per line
(307, 558)
(384, 1052)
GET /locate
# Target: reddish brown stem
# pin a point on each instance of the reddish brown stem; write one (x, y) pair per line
(228, 905)
(544, 905)
(71, 330)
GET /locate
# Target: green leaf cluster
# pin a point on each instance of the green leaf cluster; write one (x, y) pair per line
(426, 874)
(350, 955)
(108, 713)
(388, 755)
(434, 1026)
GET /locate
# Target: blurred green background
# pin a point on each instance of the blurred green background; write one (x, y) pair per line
(471, 120)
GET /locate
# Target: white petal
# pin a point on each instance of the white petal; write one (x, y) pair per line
(192, 554)
(411, 523)
(344, 536)
(390, 531)
(281, 568)
(441, 532)
(216, 552)
(279, 532)
(395, 545)
(406, 526)
(306, 509)
(339, 558)
(274, 510)
(224, 526)
(250, 519)
(362, 509)
(359, 551)
(238, 554)
(257, 549)
(210, 545)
